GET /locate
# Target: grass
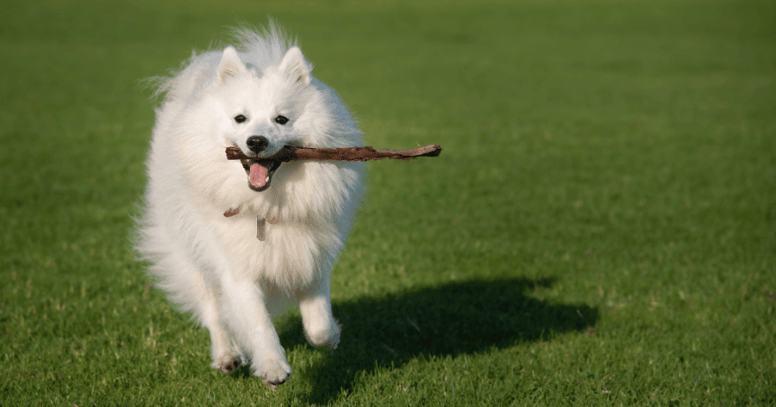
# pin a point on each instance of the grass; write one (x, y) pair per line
(599, 229)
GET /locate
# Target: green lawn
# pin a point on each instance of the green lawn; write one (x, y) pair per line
(599, 230)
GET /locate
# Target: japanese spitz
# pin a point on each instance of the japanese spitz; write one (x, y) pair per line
(233, 241)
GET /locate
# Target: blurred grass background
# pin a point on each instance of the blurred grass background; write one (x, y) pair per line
(599, 229)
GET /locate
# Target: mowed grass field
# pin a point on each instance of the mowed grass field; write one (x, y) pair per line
(599, 230)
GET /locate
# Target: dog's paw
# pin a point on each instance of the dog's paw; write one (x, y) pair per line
(328, 337)
(274, 372)
(227, 363)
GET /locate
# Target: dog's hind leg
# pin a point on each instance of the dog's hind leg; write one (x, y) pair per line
(188, 287)
(225, 356)
(320, 327)
(221, 349)
(251, 322)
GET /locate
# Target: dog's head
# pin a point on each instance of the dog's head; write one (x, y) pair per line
(260, 112)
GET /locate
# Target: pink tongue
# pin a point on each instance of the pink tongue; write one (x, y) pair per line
(258, 175)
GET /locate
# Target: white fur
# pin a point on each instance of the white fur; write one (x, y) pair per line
(214, 266)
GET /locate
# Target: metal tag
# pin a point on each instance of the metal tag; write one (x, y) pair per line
(260, 232)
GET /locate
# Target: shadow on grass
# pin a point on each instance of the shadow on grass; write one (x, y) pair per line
(451, 319)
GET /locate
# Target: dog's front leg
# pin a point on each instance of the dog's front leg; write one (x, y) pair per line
(320, 327)
(253, 324)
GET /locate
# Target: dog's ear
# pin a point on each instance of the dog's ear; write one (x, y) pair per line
(230, 65)
(294, 64)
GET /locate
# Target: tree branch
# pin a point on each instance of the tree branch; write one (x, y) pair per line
(291, 153)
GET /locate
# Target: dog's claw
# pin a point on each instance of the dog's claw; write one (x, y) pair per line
(231, 365)
(274, 385)
(276, 373)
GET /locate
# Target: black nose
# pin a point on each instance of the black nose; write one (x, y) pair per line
(257, 144)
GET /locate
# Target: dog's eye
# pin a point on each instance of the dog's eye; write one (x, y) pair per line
(240, 118)
(281, 120)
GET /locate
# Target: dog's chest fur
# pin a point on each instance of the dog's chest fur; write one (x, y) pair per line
(290, 255)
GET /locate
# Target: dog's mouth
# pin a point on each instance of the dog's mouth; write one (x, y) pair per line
(260, 172)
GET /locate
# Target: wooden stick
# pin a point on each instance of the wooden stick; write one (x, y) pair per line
(291, 153)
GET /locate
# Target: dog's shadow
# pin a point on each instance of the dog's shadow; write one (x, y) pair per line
(451, 319)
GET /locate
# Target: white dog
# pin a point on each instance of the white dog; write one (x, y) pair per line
(290, 220)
